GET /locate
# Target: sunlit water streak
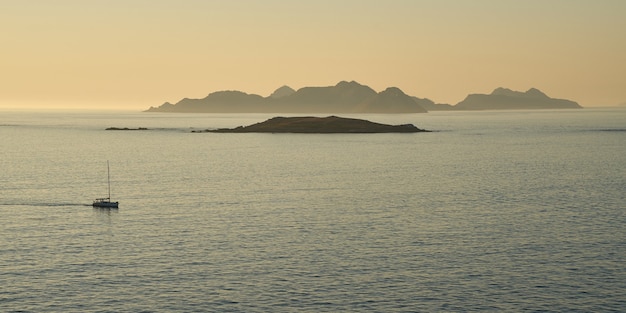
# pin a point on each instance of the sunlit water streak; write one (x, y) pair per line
(501, 211)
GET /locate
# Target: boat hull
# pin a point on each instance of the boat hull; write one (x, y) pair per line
(105, 204)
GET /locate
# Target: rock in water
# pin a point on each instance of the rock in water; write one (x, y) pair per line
(320, 125)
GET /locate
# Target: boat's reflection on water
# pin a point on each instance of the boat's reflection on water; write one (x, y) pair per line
(106, 211)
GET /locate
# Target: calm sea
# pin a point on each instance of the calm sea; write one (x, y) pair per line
(493, 211)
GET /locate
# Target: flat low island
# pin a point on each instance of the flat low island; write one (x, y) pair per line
(319, 125)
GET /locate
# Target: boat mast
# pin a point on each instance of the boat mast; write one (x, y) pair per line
(109, 179)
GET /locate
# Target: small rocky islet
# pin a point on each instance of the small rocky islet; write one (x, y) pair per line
(318, 125)
(126, 128)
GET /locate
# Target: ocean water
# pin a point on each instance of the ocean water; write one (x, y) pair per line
(493, 211)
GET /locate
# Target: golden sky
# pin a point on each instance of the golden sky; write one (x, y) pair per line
(134, 54)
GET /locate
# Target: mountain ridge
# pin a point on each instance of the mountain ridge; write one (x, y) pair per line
(506, 99)
(344, 97)
(352, 97)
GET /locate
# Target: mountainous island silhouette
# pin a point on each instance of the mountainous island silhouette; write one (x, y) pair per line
(352, 97)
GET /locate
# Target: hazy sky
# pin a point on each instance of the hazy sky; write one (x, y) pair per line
(139, 53)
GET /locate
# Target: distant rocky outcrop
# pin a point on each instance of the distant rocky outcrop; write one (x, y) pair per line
(319, 125)
(125, 128)
(506, 99)
(345, 97)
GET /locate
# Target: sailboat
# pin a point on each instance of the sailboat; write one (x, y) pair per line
(106, 202)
